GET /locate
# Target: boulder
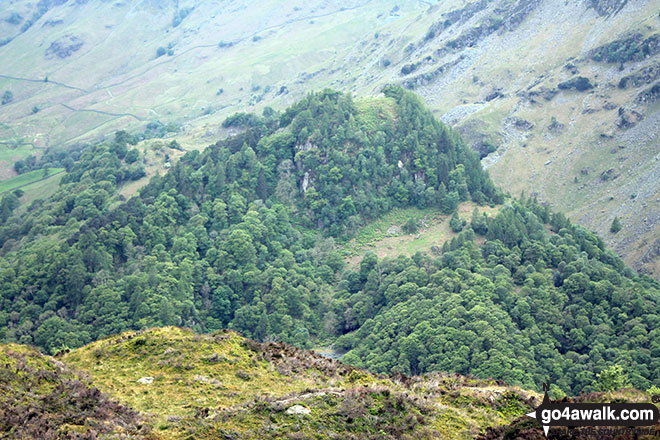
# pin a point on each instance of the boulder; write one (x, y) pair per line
(298, 410)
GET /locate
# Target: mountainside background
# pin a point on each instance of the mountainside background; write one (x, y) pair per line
(560, 98)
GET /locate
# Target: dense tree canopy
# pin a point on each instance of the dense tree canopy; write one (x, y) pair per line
(528, 306)
(245, 235)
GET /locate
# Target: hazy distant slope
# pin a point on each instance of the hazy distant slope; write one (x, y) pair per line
(491, 67)
(592, 152)
(108, 52)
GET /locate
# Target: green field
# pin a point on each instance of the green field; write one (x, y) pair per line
(41, 189)
(386, 238)
(378, 230)
(28, 178)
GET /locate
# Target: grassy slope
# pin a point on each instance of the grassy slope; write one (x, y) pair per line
(386, 239)
(224, 386)
(29, 178)
(119, 81)
(218, 385)
(10, 152)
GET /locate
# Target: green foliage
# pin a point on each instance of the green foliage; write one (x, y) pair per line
(526, 307)
(633, 48)
(611, 378)
(51, 158)
(456, 223)
(479, 223)
(132, 156)
(232, 236)
(8, 203)
(242, 235)
(411, 226)
(180, 15)
(157, 129)
(410, 68)
(7, 97)
(616, 225)
(241, 120)
(579, 83)
(556, 393)
(415, 162)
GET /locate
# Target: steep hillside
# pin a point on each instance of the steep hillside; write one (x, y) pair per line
(536, 281)
(42, 398)
(242, 234)
(560, 97)
(564, 91)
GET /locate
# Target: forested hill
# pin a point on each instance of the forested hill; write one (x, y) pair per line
(245, 235)
(235, 236)
(541, 300)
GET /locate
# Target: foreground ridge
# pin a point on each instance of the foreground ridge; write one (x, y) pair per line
(221, 384)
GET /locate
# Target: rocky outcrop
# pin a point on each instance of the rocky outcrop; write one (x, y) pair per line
(507, 17)
(606, 7)
(629, 49)
(628, 118)
(519, 123)
(299, 410)
(429, 77)
(642, 77)
(456, 16)
(542, 92)
(64, 46)
(649, 96)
